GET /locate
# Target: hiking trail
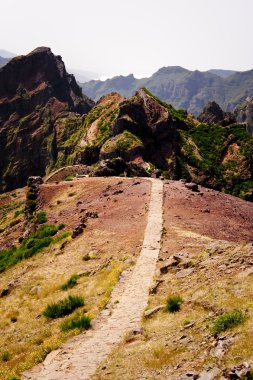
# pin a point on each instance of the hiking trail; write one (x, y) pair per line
(79, 357)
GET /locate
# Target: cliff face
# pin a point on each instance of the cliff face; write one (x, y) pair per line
(244, 114)
(41, 105)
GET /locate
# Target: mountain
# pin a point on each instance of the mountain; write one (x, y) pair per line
(222, 73)
(3, 61)
(182, 88)
(83, 76)
(46, 123)
(7, 54)
(5, 57)
(41, 107)
(244, 114)
(143, 135)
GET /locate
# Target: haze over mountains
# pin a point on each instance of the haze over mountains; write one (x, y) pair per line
(186, 89)
(182, 88)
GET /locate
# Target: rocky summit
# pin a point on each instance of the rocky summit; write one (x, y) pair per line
(41, 106)
(144, 136)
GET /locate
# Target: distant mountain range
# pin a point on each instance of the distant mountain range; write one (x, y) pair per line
(47, 123)
(3, 61)
(182, 88)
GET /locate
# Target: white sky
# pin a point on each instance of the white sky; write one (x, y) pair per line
(114, 37)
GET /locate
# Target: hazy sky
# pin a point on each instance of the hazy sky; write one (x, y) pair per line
(135, 36)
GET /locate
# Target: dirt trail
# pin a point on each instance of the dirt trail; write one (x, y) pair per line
(79, 358)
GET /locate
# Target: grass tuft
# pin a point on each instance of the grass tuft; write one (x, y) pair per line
(41, 217)
(78, 322)
(72, 281)
(227, 321)
(173, 304)
(63, 307)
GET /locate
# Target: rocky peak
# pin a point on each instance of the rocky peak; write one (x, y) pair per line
(41, 115)
(213, 114)
(31, 80)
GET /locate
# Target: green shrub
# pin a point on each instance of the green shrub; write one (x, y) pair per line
(68, 178)
(5, 356)
(30, 246)
(63, 307)
(47, 230)
(227, 320)
(14, 378)
(63, 235)
(71, 282)
(18, 212)
(173, 304)
(31, 195)
(41, 217)
(31, 205)
(61, 226)
(86, 257)
(79, 322)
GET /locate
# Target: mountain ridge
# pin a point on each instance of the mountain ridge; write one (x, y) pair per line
(182, 88)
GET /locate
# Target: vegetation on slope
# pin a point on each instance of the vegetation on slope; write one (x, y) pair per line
(31, 245)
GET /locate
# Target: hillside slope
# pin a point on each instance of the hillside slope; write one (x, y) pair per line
(205, 258)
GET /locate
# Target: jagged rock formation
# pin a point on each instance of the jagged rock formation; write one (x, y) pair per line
(182, 88)
(145, 136)
(213, 114)
(244, 114)
(41, 106)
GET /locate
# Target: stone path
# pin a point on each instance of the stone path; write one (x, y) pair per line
(79, 358)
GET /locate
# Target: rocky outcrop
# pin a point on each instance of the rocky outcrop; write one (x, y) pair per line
(244, 114)
(213, 114)
(142, 135)
(140, 130)
(41, 106)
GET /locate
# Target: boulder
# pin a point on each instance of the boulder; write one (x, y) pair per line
(192, 186)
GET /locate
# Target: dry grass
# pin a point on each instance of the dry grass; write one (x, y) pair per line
(27, 335)
(168, 342)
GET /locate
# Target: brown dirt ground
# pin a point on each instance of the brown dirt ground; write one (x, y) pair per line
(113, 240)
(220, 256)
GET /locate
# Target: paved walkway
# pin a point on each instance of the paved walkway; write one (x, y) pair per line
(79, 358)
